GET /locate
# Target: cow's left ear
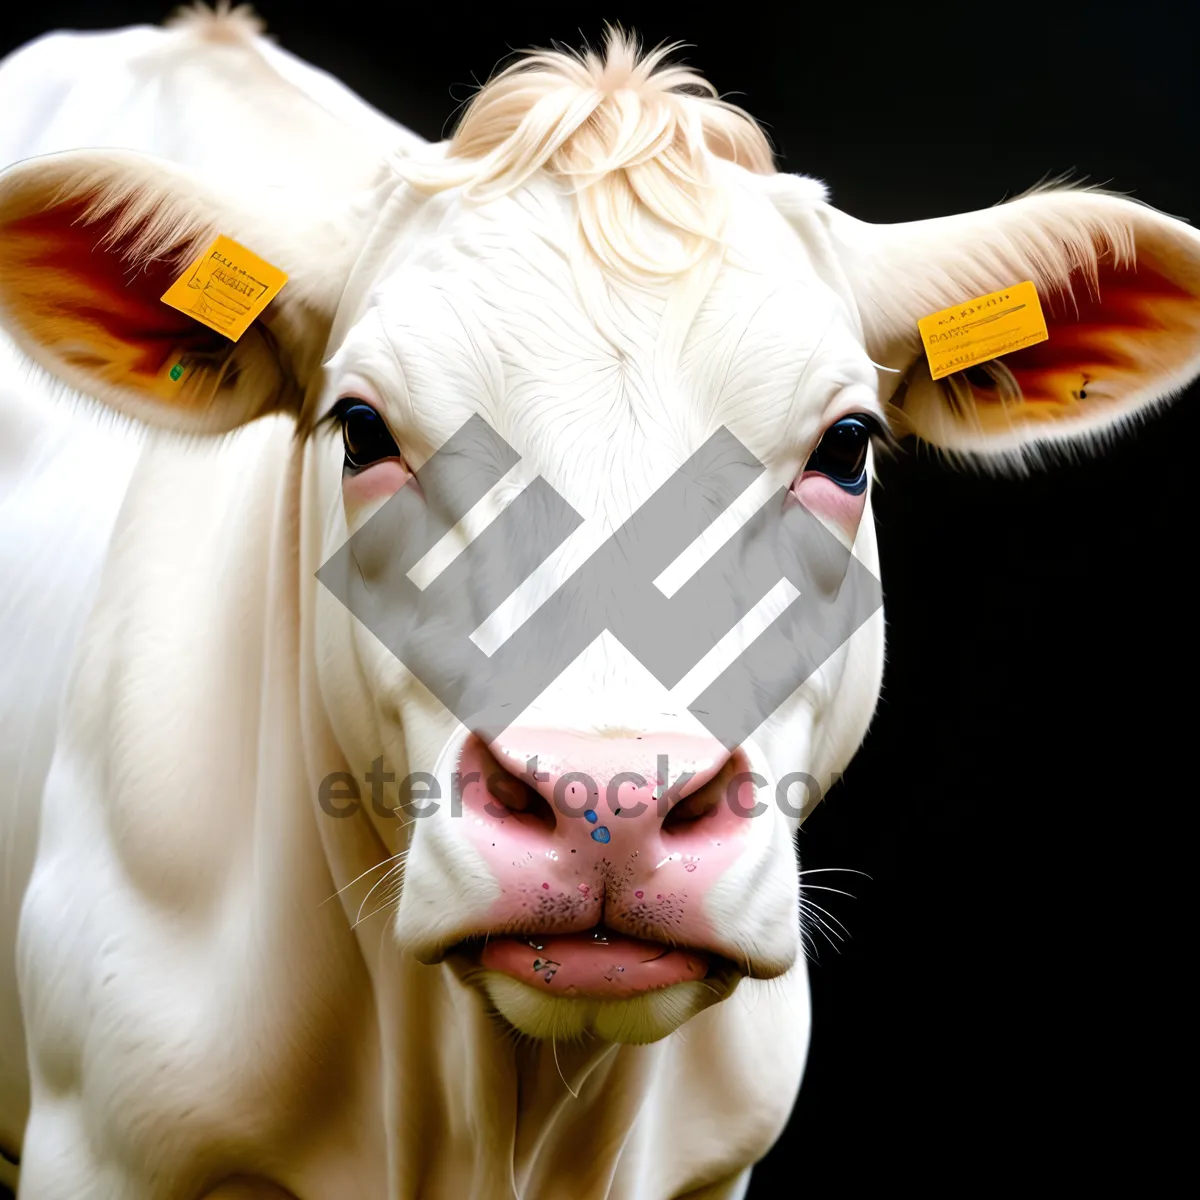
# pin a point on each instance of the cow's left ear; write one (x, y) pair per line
(91, 240)
(1119, 284)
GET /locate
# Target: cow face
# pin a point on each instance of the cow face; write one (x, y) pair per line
(591, 273)
(606, 835)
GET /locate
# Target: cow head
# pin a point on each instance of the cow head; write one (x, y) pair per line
(602, 266)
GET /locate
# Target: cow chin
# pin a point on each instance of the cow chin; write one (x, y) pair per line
(635, 1020)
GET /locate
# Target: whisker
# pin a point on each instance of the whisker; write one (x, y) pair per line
(817, 908)
(813, 914)
(386, 904)
(824, 933)
(810, 947)
(813, 907)
(554, 1051)
(831, 870)
(382, 863)
(816, 887)
(829, 929)
(398, 867)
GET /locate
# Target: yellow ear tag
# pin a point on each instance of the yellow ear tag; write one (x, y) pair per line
(982, 329)
(226, 288)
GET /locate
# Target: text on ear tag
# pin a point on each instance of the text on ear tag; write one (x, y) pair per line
(982, 329)
(226, 287)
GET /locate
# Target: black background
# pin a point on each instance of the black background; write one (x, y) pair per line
(1001, 1012)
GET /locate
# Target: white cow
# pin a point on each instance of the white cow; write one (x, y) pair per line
(224, 989)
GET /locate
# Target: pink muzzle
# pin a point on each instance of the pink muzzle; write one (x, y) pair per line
(604, 850)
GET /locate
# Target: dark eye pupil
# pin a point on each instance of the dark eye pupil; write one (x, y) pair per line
(842, 453)
(365, 436)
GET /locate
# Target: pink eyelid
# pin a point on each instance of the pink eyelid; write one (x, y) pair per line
(377, 482)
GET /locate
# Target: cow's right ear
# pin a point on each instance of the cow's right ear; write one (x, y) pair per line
(91, 240)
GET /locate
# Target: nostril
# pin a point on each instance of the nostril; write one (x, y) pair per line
(518, 798)
(692, 809)
(492, 790)
(705, 801)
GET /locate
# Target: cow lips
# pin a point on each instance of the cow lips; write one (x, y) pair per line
(592, 964)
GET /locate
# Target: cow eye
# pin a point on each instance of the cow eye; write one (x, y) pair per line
(841, 455)
(365, 435)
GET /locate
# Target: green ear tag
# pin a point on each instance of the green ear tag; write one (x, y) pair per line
(177, 370)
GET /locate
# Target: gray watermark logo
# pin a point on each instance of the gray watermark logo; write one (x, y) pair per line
(429, 629)
(420, 794)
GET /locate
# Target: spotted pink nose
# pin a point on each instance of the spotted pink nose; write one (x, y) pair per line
(577, 828)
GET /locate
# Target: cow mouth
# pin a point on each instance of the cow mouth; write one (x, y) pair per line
(597, 963)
